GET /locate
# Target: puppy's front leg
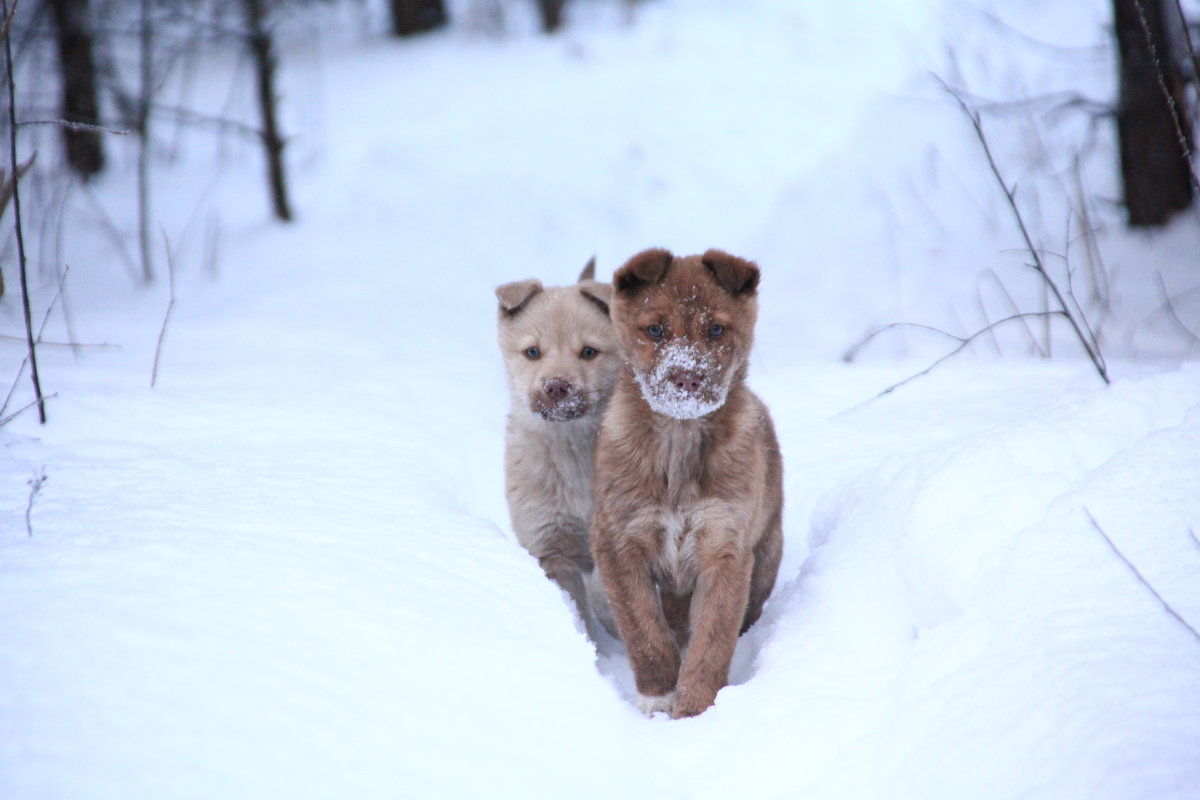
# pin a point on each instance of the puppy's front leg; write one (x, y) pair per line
(625, 570)
(718, 606)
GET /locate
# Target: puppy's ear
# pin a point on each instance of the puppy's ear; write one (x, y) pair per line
(646, 268)
(599, 293)
(513, 296)
(589, 271)
(735, 275)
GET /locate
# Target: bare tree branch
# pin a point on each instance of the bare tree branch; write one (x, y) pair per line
(35, 487)
(41, 328)
(10, 181)
(162, 332)
(5, 420)
(1166, 606)
(963, 342)
(1084, 334)
(16, 200)
(1016, 311)
(1170, 306)
(74, 126)
(8, 18)
(1193, 56)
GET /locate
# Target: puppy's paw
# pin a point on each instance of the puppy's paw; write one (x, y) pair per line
(651, 704)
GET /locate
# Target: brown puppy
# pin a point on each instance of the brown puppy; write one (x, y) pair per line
(689, 481)
(561, 360)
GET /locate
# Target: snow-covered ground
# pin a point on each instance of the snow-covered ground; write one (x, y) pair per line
(287, 571)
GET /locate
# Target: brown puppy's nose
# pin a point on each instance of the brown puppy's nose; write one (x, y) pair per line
(556, 389)
(686, 380)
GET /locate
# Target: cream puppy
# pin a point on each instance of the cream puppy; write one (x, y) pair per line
(561, 360)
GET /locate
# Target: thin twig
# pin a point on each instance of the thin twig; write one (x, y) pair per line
(16, 200)
(1166, 606)
(1086, 339)
(74, 126)
(35, 487)
(1016, 311)
(162, 332)
(145, 92)
(1095, 259)
(1170, 306)
(4, 337)
(963, 341)
(1187, 38)
(854, 349)
(8, 18)
(5, 420)
(1021, 35)
(38, 339)
(188, 117)
(116, 238)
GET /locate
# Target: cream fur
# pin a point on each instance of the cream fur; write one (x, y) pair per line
(549, 445)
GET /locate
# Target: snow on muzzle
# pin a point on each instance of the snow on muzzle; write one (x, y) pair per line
(684, 382)
(559, 400)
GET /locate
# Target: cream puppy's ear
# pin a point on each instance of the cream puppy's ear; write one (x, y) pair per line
(513, 296)
(589, 271)
(599, 293)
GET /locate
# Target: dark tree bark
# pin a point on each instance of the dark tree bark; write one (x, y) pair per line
(1153, 123)
(262, 49)
(73, 29)
(551, 12)
(410, 17)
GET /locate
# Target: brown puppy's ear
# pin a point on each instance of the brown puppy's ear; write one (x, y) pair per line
(644, 269)
(735, 275)
(599, 293)
(589, 271)
(513, 296)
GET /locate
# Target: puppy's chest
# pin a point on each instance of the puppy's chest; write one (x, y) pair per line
(680, 520)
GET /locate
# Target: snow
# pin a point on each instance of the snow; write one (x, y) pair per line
(665, 397)
(286, 570)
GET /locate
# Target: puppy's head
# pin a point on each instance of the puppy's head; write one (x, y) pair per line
(685, 326)
(558, 346)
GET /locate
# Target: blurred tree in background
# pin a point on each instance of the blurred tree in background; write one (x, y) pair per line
(410, 17)
(1154, 120)
(80, 103)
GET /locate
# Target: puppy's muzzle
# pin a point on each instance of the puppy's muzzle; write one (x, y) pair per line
(559, 401)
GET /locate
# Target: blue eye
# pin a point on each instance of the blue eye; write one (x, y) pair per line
(715, 330)
(588, 353)
(655, 331)
(533, 353)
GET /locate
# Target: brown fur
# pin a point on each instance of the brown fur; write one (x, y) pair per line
(556, 401)
(687, 530)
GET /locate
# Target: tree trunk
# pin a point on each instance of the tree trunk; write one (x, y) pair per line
(1153, 125)
(551, 12)
(262, 50)
(410, 17)
(72, 22)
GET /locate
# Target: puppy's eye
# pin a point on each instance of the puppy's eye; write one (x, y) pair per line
(715, 331)
(655, 331)
(588, 353)
(533, 353)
